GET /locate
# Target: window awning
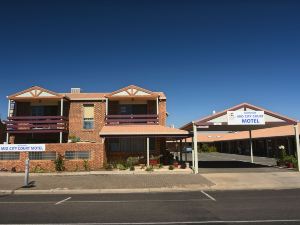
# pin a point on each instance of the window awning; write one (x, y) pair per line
(143, 130)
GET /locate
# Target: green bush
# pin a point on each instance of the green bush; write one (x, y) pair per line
(74, 139)
(212, 149)
(121, 167)
(171, 167)
(38, 169)
(133, 161)
(295, 162)
(132, 168)
(108, 166)
(59, 163)
(86, 165)
(204, 148)
(149, 169)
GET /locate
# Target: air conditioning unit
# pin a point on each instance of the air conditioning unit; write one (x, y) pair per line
(75, 90)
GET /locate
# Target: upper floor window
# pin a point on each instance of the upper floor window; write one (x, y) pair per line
(88, 116)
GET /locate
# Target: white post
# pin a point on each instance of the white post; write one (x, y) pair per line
(157, 106)
(26, 179)
(196, 169)
(106, 106)
(8, 115)
(61, 114)
(297, 145)
(251, 146)
(148, 152)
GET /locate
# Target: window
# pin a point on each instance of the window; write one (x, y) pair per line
(77, 155)
(9, 156)
(42, 155)
(88, 116)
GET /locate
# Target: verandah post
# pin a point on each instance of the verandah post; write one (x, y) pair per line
(148, 153)
(61, 114)
(251, 146)
(195, 140)
(297, 145)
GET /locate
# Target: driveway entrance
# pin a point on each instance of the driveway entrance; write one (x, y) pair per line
(216, 162)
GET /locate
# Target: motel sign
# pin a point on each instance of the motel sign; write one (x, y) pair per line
(246, 117)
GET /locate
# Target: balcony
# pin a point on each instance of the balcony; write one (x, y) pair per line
(36, 124)
(150, 119)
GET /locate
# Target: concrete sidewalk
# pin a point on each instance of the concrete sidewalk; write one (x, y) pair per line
(116, 183)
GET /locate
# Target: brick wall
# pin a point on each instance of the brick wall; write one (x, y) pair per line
(162, 112)
(97, 159)
(76, 120)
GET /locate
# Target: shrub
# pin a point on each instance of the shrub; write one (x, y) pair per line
(132, 168)
(86, 165)
(204, 148)
(74, 139)
(109, 166)
(295, 162)
(121, 167)
(149, 169)
(132, 161)
(212, 149)
(59, 163)
(38, 169)
(160, 166)
(171, 167)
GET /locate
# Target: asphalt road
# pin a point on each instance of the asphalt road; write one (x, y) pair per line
(226, 207)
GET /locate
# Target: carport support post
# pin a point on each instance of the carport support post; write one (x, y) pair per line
(251, 146)
(195, 140)
(61, 114)
(148, 153)
(297, 145)
(8, 115)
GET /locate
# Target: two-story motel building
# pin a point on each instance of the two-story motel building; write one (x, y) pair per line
(111, 126)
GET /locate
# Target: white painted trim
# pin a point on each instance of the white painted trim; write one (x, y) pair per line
(195, 140)
(251, 146)
(148, 152)
(106, 106)
(157, 106)
(297, 145)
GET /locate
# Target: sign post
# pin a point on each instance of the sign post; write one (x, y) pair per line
(26, 180)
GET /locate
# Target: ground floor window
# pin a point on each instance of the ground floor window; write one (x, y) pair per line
(130, 144)
(77, 155)
(42, 155)
(9, 155)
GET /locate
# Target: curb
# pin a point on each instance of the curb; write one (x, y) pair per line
(101, 191)
(172, 172)
(138, 190)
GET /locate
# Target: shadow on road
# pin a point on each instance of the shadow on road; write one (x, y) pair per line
(229, 164)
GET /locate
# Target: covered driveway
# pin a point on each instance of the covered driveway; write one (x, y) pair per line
(138, 140)
(243, 117)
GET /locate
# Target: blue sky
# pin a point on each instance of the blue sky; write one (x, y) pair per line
(205, 55)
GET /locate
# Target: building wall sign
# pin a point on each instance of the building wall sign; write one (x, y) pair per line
(246, 117)
(22, 147)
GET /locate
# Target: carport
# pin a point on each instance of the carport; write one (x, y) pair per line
(242, 117)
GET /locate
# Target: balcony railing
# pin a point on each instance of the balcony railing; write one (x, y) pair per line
(36, 124)
(131, 119)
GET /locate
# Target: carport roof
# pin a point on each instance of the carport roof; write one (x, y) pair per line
(283, 131)
(218, 121)
(141, 130)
